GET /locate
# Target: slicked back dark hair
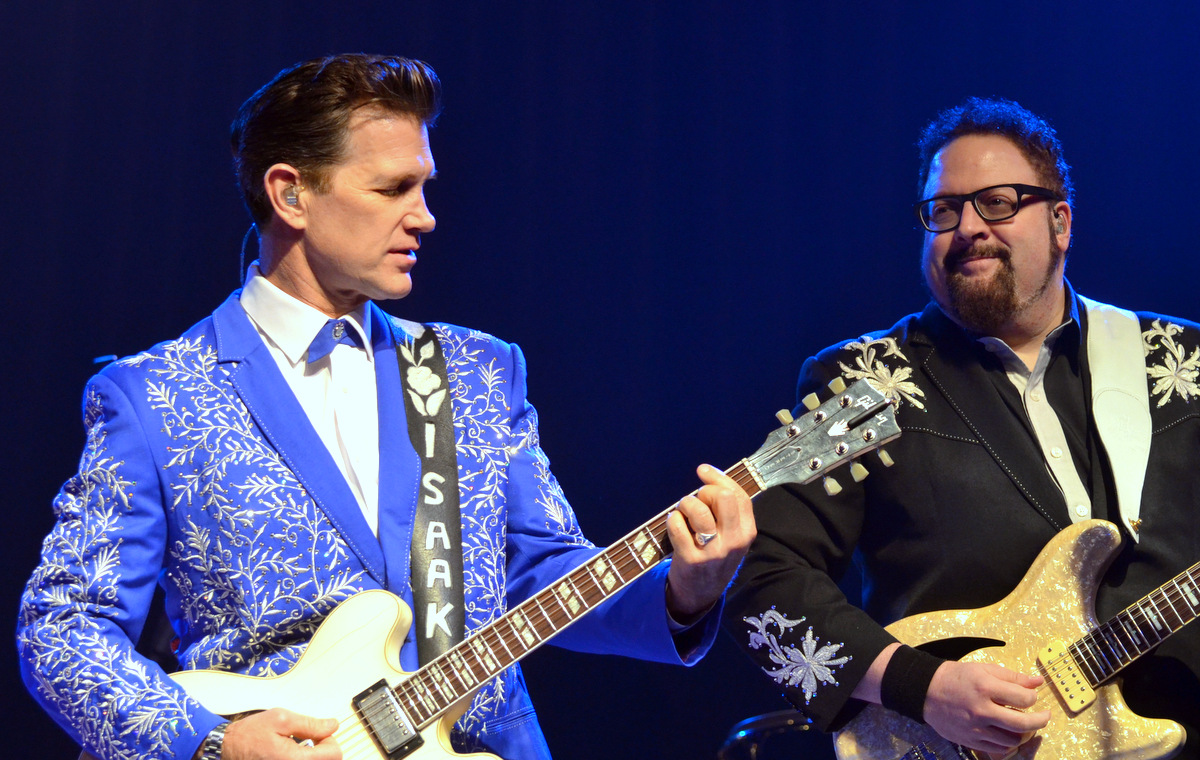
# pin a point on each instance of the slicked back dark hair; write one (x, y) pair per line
(301, 116)
(1032, 135)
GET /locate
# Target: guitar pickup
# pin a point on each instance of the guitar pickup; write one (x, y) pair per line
(386, 721)
(1063, 673)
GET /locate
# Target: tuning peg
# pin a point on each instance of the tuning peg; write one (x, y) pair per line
(886, 458)
(784, 416)
(858, 472)
(837, 385)
(832, 487)
(811, 401)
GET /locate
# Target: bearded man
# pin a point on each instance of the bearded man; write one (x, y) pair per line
(1024, 408)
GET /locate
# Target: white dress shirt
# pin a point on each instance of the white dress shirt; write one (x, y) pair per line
(1047, 426)
(337, 392)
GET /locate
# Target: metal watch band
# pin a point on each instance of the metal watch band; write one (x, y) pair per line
(210, 748)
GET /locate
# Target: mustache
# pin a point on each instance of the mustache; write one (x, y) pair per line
(983, 250)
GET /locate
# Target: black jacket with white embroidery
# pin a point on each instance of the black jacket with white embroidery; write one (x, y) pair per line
(958, 520)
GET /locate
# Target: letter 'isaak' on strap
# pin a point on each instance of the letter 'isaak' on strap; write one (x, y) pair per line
(437, 560)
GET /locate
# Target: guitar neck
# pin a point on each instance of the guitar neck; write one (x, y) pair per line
(1139, 628)
(456, 673)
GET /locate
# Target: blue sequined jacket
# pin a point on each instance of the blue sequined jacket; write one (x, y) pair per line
(201, 473)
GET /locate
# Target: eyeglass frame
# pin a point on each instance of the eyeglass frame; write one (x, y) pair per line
(1022, 192)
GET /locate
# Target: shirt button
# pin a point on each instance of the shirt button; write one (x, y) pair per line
(1056, 452)
(1035, 396)
(1082, 510)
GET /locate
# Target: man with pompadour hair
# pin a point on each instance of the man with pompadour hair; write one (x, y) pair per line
(300, 450)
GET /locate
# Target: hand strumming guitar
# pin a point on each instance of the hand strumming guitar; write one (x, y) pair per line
(273, 735)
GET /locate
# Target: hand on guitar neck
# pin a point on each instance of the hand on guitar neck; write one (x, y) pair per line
(974, 704)
(710, 533)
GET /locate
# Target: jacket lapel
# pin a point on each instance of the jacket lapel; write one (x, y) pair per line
(266, 394)
(399, 465)
(954, 370)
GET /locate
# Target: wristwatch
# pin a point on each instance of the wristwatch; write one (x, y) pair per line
(210, 748)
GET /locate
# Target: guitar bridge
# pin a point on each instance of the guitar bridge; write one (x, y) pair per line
(1062, 671)
(386, 722)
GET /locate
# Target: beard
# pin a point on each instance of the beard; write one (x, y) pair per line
(986, 307)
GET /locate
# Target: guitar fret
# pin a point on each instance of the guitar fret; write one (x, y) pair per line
(568, 592)
(646, 549)
(1114, 643)
(1153, 615)
(437, 679)
(422, 693)
(1084, 662)
(589, 585)
(606, 577)
(537, 602)
(504, 642)
(1085, 657)
(1129, 644)
(461, 669)
(406, 696)
(525, 629)
(1135, 634)
(1189, 593)
(1178, 623)
(485, 656)
(562, 605)
(1102, 656)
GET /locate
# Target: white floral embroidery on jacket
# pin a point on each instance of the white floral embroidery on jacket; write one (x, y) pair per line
(892, 382)
(1177, 371)
(806, 667)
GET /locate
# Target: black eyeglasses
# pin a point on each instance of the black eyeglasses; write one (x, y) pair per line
(994, 204)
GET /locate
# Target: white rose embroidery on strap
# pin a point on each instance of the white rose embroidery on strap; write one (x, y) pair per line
(422, 382)
(806, 667)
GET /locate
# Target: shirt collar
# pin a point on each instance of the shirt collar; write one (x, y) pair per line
(290, 323)
(1054, 341)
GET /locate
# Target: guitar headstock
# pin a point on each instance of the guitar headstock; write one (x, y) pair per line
(854, 421)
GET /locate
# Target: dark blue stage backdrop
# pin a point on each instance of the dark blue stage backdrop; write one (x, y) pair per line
(667, 205)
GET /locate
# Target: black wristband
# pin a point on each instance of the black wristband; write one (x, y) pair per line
(906, 681)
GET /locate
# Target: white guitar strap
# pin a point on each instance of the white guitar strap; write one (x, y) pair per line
(1120, 401)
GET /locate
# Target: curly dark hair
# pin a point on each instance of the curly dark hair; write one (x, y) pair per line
(1032, 135)
(300, 117)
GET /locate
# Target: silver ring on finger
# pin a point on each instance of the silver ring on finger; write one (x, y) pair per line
(702, 539)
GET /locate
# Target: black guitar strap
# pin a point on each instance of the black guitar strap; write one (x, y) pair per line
(437, 558)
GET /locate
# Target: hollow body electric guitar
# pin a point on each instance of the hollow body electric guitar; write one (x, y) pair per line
(1048, 626)
(350, 670)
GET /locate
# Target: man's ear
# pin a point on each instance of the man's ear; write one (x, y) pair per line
(1061, 224)
(286, 194)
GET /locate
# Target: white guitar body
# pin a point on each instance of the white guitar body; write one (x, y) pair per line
(358, 644)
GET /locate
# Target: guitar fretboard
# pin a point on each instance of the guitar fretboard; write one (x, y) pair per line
(456, 673)
(1139, 628)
